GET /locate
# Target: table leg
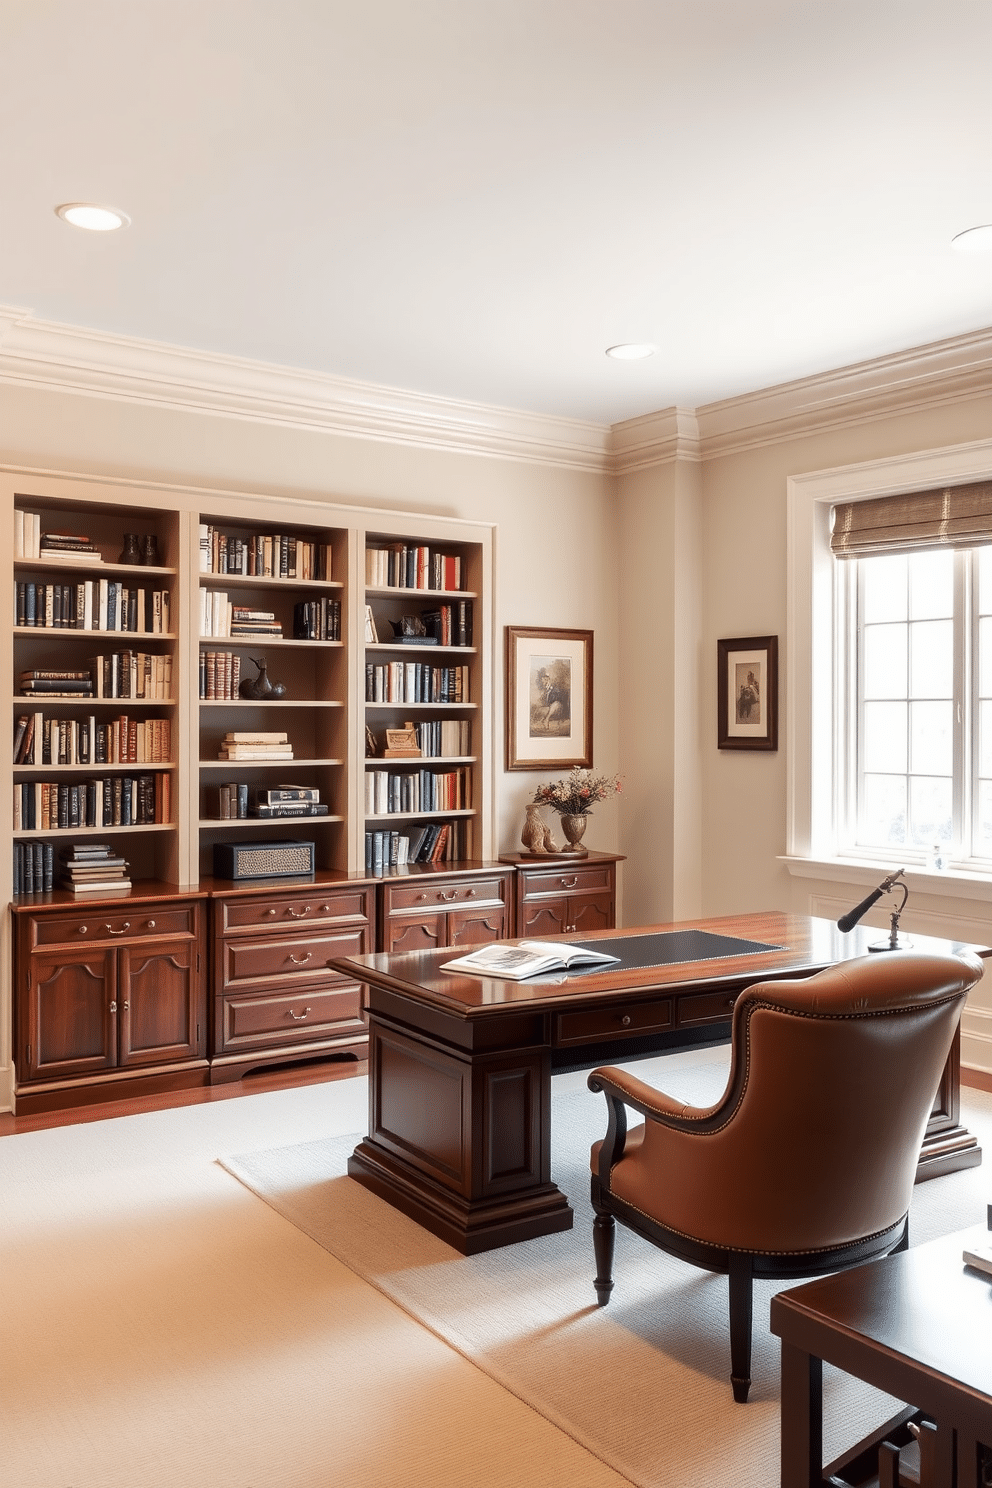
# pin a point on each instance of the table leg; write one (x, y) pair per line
(802, 1418)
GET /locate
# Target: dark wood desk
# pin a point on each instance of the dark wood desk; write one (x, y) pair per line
(460, 1067)
(917, 1325)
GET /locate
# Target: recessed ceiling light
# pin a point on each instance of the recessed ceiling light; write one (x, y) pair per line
(974, 239)
(94, 219)
(631, 351)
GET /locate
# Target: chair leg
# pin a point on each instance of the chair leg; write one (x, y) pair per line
(741, 1289)
(604, 1233)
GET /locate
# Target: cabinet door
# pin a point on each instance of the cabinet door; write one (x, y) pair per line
(161, 1019)
(70, 1014)
(548, 916)
(476, 926)
(590, 912)
(422, 932)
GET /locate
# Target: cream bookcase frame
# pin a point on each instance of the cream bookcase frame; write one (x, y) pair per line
(323, 710)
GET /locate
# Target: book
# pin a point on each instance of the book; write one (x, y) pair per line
(255, 737)
(529, 958)
(979, 1256)
(290, 808)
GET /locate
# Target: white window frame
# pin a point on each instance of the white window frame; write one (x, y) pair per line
(814, 727)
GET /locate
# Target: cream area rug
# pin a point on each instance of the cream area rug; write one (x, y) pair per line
(643, 1383)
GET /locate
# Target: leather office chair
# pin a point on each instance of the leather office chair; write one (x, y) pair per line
(806, 1164)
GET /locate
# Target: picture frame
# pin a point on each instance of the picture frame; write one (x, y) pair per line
(549, 698)
(747, 693)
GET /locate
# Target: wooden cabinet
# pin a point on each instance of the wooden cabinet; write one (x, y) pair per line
(104, 991)
(275, 998)
(463, 907)
(559, 896)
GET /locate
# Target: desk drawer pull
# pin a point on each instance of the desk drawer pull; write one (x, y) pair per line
(300, 960)
(111, 931)
(292, 912)
(298, 1017)
(447, 898)
(570, 883)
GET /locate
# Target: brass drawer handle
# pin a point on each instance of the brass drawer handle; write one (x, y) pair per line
(447, 898)
(292, 912)
(300, 960)
(111, 931)
(298, 1017)
(569, 883)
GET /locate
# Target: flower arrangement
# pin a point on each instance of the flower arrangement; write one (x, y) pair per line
(578, 792)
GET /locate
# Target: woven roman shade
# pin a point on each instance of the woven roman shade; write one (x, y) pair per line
(952, 517)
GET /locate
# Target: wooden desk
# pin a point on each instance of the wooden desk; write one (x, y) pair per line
(917, 1325)
(460, 1067)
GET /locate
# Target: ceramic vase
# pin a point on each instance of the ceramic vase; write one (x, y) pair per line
(574, 827)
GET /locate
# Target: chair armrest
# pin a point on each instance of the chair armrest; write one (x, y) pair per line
(617, 1084)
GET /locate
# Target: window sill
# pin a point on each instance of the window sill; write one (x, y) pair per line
(952, 883)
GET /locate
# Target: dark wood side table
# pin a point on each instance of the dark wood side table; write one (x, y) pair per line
(917, 1325)
(566, 895)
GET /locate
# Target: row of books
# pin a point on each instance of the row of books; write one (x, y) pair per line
(220, 675)
(219, 616)
(448, 625)
(93, 868)
(317, 620)
(438, 843)
(46, 739)
(245, 744)
(268, 555)
(387, 791)
(133, 674)
(113, 801)
(34, 867)
(92, 604)
(31, 542)
(238, 801)
(402, 566)
(437, 738)
(415, 682)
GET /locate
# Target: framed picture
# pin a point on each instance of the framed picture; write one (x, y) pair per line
(747, 693)
(548, 698)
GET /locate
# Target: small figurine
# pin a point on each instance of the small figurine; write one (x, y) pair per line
(409, 625)
(536, 835)
(258, 689)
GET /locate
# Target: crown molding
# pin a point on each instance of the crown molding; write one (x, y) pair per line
(70, 358)
(922, 377)
(655, 439)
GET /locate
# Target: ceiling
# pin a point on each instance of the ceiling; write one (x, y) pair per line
(474, 198)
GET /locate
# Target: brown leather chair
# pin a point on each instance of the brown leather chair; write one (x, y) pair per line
(806, 1164)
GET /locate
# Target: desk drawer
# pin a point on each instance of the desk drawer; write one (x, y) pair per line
(707, 1007)
(316, 906)
(623, 1020)
(568, 880)
(425, 895)
(98, 922)
(288, 1017)
(255, 961)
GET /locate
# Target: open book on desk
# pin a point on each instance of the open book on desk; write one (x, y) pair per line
(529, 958)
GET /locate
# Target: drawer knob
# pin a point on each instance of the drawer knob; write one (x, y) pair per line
(292, 912)
(149, 924)
(625, 1020)
(111, 931)
(270, 911)
(731, 1001)
(570, 883)
(81, 929)
(298, 1017)
(325, 909)
(113, 1007)
(470, 894)
(300, 960)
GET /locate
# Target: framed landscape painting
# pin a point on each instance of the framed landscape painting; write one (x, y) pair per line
(548, 698)
(747, 693)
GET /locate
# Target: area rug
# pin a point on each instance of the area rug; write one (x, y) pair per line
(643, 1383)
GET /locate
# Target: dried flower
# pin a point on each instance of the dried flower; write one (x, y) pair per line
(578, 792)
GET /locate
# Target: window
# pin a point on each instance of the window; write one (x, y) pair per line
(915, 704)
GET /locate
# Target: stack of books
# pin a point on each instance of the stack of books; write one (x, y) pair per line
(70, 546)
(249, 622)
(93, 868)
(252, 745)
(56, 683)
(288, 800)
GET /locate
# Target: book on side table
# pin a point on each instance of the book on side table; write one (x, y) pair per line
(529, 958)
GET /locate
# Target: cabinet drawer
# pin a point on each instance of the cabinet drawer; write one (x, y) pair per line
(96, 923)
(421, 895)
(568, 880)
(591, 1025)
(251, 960)
(288, 1017)
(317, 906)
(707, 1007)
